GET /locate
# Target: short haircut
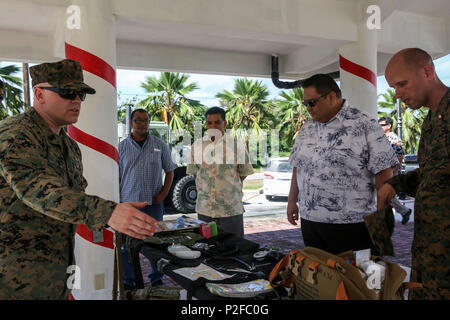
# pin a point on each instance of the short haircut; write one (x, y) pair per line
(1, 84)
(388, 120)
(215, 110)
(416, 57)
(323, 84)
(137, 110)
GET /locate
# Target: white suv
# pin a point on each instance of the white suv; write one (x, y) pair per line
(277, 178)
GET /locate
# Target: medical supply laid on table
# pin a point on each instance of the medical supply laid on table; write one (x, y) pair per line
(183, 222)
(260, 255)
(240, 290)
(202, 271)
(205, 230)
(183, 252)
(213, 226)
(169, 237)
(202, 246)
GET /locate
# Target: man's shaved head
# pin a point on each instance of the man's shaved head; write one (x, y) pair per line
(412, 74)
(415, 58)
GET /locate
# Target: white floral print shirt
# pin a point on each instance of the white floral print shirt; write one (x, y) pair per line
(336, 166)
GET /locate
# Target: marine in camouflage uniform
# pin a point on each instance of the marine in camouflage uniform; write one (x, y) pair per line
(430, 185)
(411, 73)
(42, 197)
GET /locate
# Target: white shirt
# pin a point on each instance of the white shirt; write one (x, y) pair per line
(336, 166)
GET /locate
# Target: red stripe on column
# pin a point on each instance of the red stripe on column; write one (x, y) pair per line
(92, 64)
(358, 70)
(84, 232)
(93, 142)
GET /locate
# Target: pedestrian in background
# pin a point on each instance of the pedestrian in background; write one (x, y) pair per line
(396, 143)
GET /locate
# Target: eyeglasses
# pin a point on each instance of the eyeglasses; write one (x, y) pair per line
(68, 94)
(312, 102)
(141, 121)
(383, 124)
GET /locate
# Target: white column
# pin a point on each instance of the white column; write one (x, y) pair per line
(362, 54)
(93, 44)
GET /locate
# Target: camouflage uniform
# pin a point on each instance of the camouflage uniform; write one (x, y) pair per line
(430, 185)
(41, 200)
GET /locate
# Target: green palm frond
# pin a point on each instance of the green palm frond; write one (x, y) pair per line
(168, 94)
(13, 103)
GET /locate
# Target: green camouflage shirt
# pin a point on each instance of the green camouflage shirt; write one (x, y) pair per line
(430, 185)
(219, 187)
(41, 200)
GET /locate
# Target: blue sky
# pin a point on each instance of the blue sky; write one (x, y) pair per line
(129, 81)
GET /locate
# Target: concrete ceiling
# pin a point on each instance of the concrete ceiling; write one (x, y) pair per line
(234, 37)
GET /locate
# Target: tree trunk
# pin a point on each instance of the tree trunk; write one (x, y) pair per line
(26, 86)
(164, 116)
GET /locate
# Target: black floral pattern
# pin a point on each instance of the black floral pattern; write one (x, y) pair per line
(336, 166)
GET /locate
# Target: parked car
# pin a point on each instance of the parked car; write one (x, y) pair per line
(277, 178)
(410, 163)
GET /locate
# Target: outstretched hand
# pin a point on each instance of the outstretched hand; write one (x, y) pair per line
(127, 219)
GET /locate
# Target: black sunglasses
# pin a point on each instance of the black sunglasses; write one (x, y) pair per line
(68, 94)
(312, 102)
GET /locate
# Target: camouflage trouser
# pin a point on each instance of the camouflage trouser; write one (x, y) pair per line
(30, 280)
(434, 282)
(429, 291)
(431, 253)
(430, 294)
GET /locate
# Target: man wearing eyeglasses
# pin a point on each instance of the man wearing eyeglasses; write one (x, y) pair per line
(386, 124)
(42, 189)
(142, 158)
(340, 158)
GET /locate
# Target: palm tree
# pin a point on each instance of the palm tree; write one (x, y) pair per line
(247, 106)
(294, 114)
(12, 91)
(411, 119)
(167, 100)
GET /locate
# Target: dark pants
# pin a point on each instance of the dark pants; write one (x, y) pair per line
(233, 224)
(155, 211)
(337, 238)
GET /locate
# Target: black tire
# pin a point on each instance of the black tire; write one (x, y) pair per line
(184, 195)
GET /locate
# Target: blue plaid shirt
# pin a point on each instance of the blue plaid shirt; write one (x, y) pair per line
(140, 168)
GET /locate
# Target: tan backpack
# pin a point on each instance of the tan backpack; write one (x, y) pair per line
(314, 274)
